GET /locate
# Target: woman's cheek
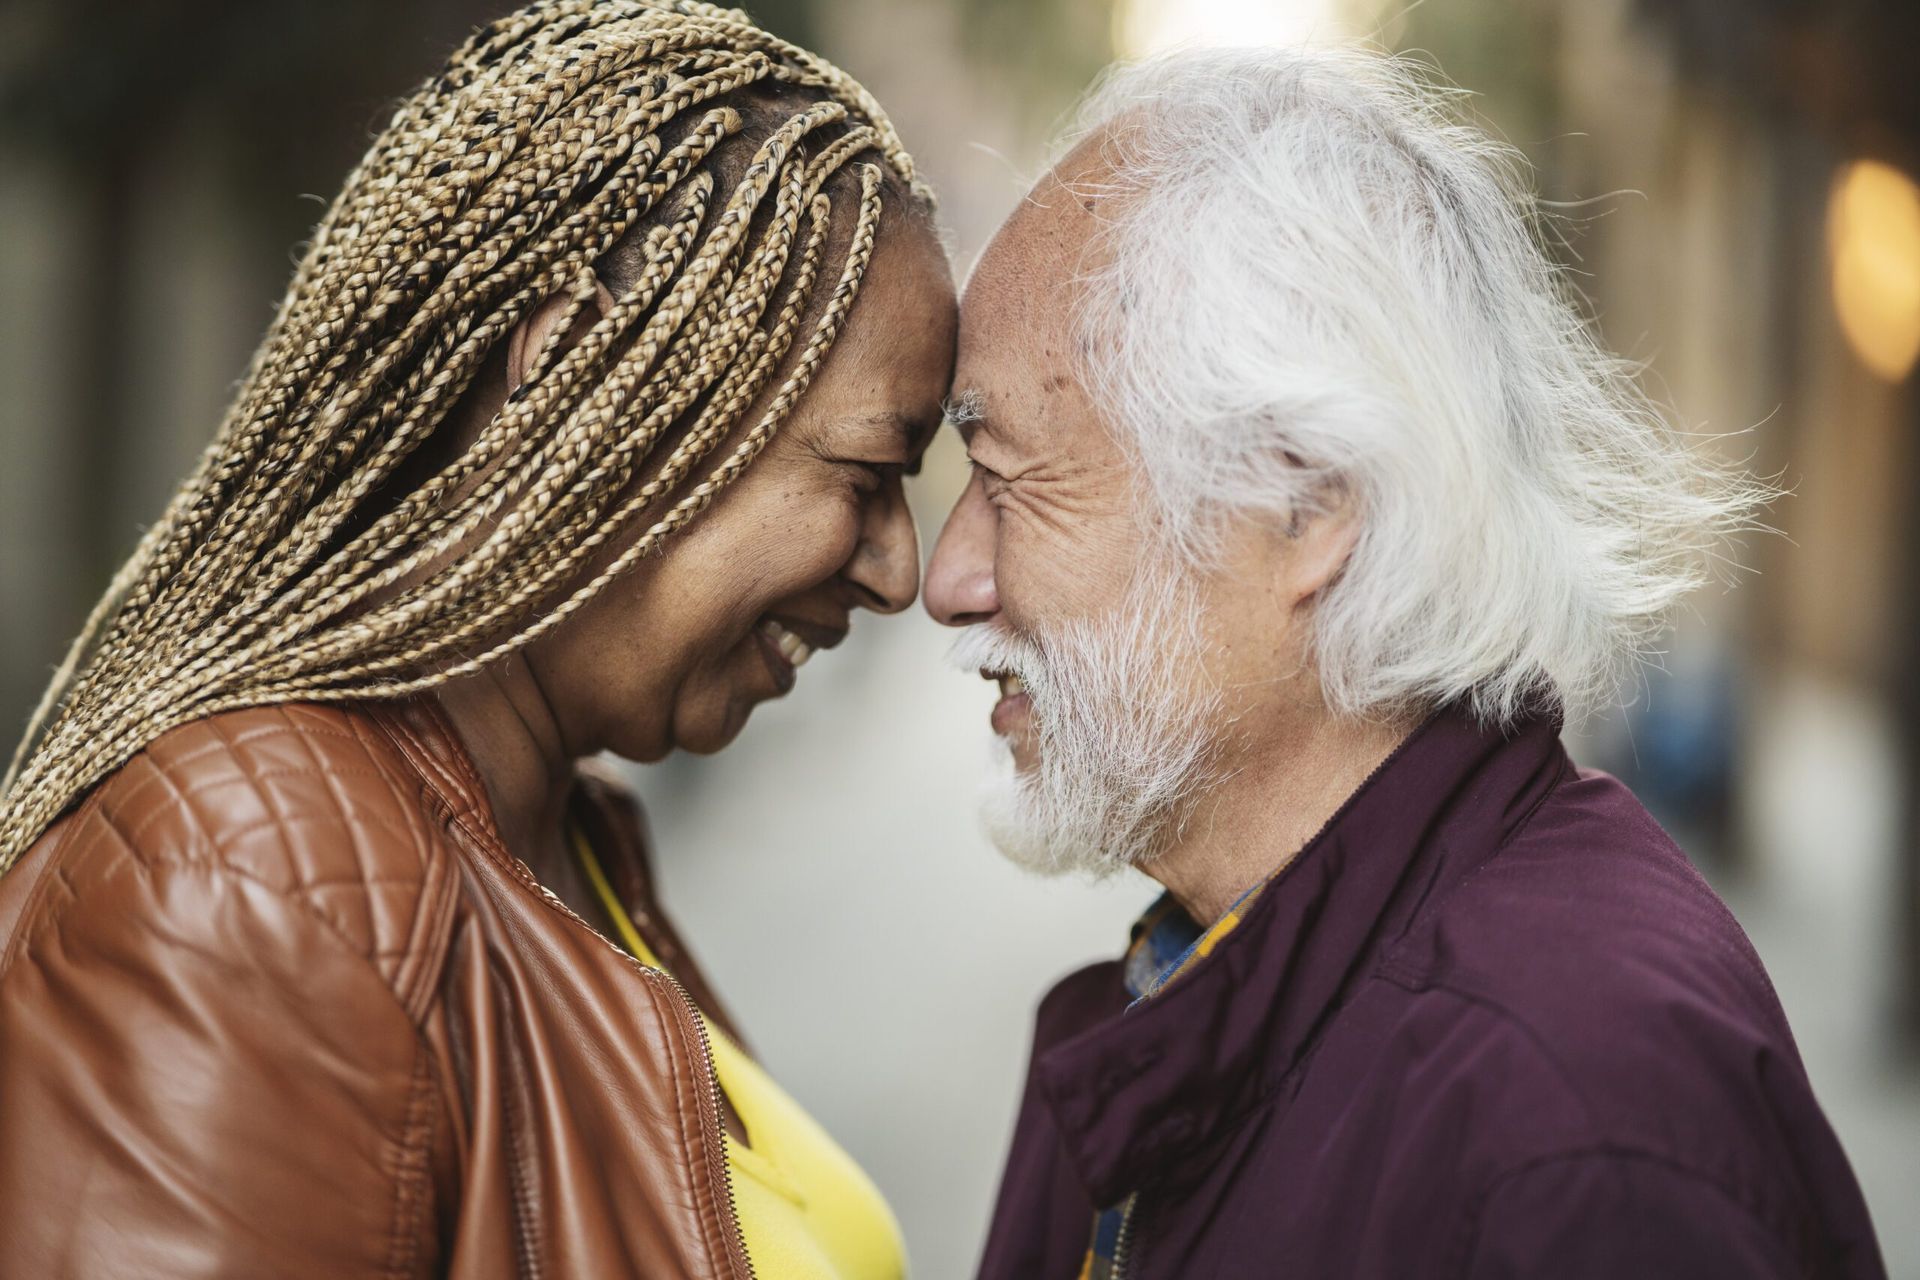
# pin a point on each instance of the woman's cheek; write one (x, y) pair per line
(843, 540)
(714, 705)
(820, 545)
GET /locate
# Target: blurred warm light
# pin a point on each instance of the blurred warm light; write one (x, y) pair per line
(1145, 27)
(1873, 232)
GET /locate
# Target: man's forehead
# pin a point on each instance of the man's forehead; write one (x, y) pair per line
(1015, 333)
(1016, 315)
(1041, 248)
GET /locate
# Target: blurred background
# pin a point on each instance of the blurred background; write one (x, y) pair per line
(1736, 185)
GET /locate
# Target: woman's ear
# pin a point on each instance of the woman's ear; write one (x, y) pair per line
(524, 343)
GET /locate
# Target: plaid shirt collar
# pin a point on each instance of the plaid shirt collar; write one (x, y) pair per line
(1167, 942)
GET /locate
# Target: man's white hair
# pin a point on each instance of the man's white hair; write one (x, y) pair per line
(1315, 283)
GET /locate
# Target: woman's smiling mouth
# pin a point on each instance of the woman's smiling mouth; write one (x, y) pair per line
(786, 650)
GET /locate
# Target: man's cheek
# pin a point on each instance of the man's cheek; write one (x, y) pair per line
(1033, 580)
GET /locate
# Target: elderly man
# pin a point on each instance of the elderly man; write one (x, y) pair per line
(1304, 509)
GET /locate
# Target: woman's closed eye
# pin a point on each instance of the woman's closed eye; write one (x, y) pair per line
(869, 475)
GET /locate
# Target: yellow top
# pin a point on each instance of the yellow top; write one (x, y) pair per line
(806, 1211)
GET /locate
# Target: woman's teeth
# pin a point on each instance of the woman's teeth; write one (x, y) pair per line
(795, 650)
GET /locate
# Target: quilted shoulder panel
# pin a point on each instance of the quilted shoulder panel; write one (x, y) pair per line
(313, 801)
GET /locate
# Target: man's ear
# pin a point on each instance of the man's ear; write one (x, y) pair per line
(524, 343)
(1318, 546)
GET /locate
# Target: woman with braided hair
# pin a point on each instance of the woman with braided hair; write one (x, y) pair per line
(582, 425)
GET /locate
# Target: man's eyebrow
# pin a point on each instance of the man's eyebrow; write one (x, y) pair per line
(965, 408)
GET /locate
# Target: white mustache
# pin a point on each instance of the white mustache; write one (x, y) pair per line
(985, 646)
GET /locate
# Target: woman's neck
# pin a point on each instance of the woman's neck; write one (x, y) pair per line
(508, 726)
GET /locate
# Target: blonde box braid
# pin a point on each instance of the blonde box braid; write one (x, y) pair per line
(552, 139)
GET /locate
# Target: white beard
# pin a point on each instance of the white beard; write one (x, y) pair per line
(1121, 738)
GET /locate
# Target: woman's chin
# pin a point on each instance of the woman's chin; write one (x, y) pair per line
(699, 725)
(704, 735)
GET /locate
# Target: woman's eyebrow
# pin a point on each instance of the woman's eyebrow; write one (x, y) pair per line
(915, 432)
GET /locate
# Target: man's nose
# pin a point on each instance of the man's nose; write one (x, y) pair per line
(960, 586)
(886, 567)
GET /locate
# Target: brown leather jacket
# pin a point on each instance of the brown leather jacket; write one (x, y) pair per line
(274, 1001)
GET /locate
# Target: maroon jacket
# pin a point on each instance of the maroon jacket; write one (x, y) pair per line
(1489, 1023)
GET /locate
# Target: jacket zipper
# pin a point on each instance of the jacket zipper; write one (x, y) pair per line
(710, 1128)
(710, 1117)
(1123, 1238)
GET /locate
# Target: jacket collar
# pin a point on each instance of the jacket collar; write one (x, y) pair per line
(601, 803)
(1136, 1094)
(451, 783)
(453, 787)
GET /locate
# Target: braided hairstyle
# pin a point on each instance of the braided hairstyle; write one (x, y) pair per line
(667, 150)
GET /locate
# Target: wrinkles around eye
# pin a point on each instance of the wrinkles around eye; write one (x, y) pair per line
(984, 471)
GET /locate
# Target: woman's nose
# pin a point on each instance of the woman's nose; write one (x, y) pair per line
(886, 568)
(960, 586)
